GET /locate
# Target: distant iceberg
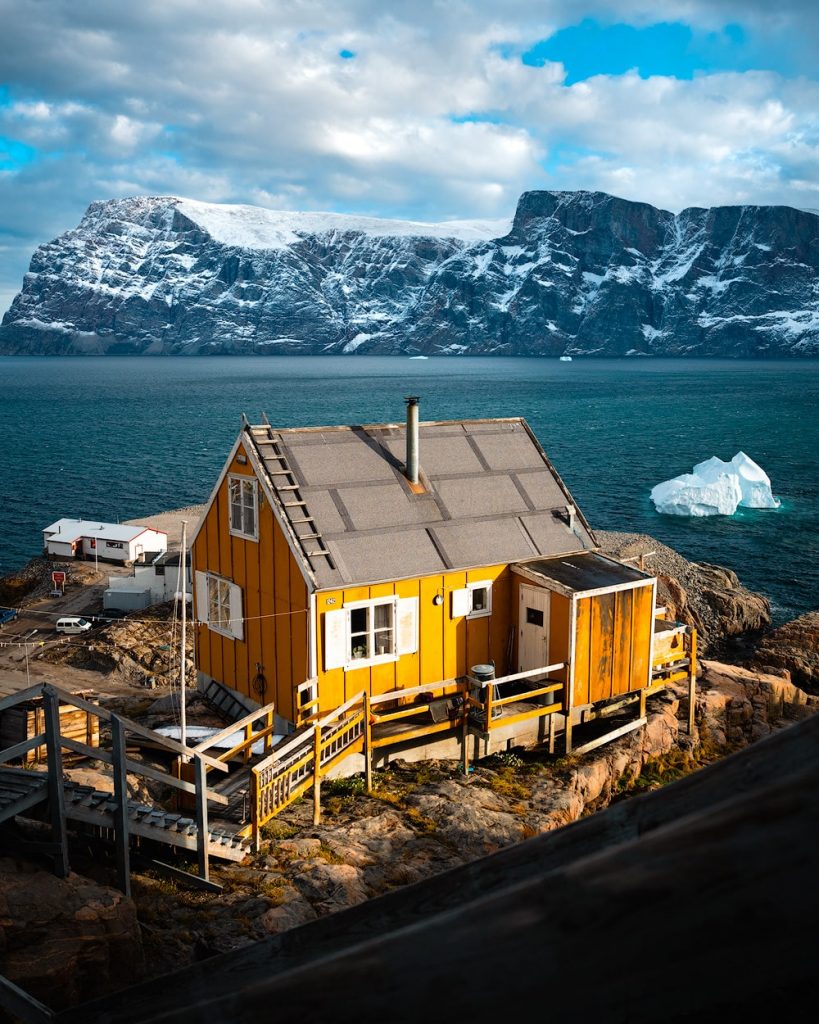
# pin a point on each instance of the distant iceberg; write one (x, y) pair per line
(715, 488)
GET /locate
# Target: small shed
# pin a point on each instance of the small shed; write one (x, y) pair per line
(107, 542)
(594, 614)
(27, 720)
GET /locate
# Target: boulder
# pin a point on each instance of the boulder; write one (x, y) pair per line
(65, 940)
(793, 649)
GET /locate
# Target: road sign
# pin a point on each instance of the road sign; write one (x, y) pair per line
(58, 577)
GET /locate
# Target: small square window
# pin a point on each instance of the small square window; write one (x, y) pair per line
(480, 599)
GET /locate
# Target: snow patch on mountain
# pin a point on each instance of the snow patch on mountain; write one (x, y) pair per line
(256, 228)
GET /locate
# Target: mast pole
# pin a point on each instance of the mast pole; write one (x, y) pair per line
(182, 720)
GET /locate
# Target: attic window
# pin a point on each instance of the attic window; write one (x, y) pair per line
(243, 497)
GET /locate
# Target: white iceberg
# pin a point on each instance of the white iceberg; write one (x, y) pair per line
(715, 488)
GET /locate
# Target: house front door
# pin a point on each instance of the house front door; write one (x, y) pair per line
(533, 628)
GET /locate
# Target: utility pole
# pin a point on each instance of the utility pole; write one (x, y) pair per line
(184, 568)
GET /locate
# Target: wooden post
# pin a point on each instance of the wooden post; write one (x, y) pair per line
(368, 744)
(692, 681)
(56, 791)
(465, 730)
(255, 811)
(568, 731)
(488, 705)
(317, 774)
(552, 733)
(642, 712)
(200, 778)
(121, 838)
(249, 745)
(268, 740)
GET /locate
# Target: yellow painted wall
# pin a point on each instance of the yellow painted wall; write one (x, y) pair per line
(447, 647)
(613, 644)
(274, 602)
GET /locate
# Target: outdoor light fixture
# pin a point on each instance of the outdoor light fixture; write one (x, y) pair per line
(438, 599)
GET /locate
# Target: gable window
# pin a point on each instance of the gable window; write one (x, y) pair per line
(370, 632)
(243, 499)
(474, 601)
(219, 605)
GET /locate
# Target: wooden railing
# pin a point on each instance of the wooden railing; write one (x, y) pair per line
(253, 733)
(298, 764)
(118, 759)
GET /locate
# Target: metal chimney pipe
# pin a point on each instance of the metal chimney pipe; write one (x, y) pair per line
(412, 438)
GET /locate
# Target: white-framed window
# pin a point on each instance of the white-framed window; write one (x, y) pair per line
(219, 605)
(473, 601)
(371, 632)
(115, 544)
(243, 499)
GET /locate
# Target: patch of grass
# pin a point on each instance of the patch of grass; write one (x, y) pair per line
(352, 785)
(329, 855)
(507, 785)
(275, 829)
(420, 821)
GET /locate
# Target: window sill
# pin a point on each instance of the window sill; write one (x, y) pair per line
(480, 615)
(221, 632)
(382, 659)
(243, 536)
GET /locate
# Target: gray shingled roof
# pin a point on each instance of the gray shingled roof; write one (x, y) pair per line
(491, 497)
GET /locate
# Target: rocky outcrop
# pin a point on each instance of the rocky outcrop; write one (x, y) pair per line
(708, 597)
(578, 272)
(65, 940)
(793, 651)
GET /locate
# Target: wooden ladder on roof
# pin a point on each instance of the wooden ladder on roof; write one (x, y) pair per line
(288, 489)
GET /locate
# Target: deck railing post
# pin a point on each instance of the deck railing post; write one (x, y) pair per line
(552, 723)
(56, 792)
(465, 724)
(201, 781)
(121, 839)
(488, 688)
(368, 745)
(255, 812)
(692, 679)
(317, 774)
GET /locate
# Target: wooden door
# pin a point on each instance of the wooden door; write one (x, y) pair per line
(533, 628)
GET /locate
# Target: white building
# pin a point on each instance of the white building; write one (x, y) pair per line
(107, 542)
(152, 583)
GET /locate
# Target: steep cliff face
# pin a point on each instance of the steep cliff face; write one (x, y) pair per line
(577, 273)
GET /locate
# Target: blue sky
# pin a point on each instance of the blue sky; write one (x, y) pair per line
(428, 110)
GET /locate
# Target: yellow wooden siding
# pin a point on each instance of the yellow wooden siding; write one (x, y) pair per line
(612, 644)
(275, 605)
(447, 647)
(560, 615)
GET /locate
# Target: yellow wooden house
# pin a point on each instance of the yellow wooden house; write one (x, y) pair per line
(402, 562)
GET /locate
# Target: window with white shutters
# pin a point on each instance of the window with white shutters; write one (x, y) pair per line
(219, 605)
(473, 601)
(243, 496)
(366, 633)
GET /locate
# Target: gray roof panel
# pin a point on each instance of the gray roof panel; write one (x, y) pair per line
(372, 507)
(483, 542)
(487, 495)
(383, 556)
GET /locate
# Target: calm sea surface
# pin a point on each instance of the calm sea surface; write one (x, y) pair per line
(115, 438)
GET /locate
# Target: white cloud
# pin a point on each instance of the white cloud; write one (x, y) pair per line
(436, 116)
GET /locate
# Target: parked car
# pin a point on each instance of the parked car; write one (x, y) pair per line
(73, 624)
(7, 615)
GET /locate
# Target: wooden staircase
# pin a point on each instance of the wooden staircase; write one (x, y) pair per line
(61, 800)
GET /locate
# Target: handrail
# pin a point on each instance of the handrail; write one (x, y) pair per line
(545, 670)
(234, 727)
(412, 691)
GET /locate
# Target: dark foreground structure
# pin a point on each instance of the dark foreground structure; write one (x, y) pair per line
(695, 902)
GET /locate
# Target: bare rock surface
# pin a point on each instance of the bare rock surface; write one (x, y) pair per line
(793, 650)
(423, 818)
(65, 940)
(708, 597)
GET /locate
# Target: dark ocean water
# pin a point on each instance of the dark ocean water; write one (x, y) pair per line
(115, 438)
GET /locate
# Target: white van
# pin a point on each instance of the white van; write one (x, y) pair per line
(72, 624)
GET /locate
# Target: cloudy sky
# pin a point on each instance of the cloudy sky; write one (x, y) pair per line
(427, 109)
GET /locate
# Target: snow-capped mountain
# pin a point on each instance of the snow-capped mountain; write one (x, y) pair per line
(575, 273)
